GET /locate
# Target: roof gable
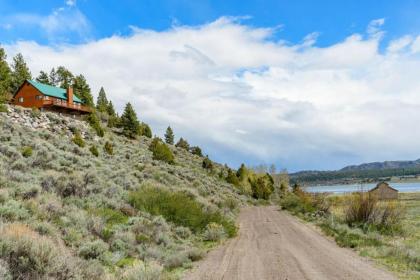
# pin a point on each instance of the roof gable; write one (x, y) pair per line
(383, 184)
(53, 91)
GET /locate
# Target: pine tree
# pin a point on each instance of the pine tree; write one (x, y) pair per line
(183, 144)
(242, 172)
(82, 90)
(102, 102)
(113, 119)
(129, 122)
(5, 78)
(20, 72)
(43, 78)
(64, 77)
(53, 78)
(110, 109)
(169, 136)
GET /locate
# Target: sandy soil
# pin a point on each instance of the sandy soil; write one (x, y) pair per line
(274, 245)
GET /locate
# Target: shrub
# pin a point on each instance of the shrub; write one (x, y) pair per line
(109, 148)
(262, 186)
(95, 124)
(183, 144)
(93, 249)
(145, 130)
(176, 207)
(27, 151)
(214, 232)
(207, 164)
(196, 151)
(143, 271)
(365, 209)
(31, 256)
(232, 178)
(176, 259)
(35, 113)
(78, 140)
(161, 151)
(3, 108)
(12, 210)
(94, 151)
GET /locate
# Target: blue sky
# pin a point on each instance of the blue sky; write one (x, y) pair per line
(302, 84)
(334, 20)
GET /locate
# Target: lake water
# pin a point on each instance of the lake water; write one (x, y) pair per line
(401, 187)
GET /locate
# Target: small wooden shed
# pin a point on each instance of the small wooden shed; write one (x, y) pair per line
(383, 191)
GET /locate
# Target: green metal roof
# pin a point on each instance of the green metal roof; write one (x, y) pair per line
(53, 91)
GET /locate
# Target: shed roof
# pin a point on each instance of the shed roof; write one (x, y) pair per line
(53, 91)
(383, 183)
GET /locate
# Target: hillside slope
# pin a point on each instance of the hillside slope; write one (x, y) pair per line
(67, 214)
(384, 165)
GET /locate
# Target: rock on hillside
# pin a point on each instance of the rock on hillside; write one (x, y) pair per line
(66, 213)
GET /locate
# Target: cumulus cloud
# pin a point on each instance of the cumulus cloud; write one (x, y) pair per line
(242, 96)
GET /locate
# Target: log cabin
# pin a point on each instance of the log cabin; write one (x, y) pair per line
(383, 191)
(32, 94)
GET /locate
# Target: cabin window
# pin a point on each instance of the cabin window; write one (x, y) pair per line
(46, 98)
(38, 97)
(21, 99)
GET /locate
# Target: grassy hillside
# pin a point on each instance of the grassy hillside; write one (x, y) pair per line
(77, 206)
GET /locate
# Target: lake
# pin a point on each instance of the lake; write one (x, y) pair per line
(401, 187)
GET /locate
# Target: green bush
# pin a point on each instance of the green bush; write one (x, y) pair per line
(214, 232)
(161, 151)
(179, 208)
(196, 151)
(35, 113)
(95, 124)
(30, 256)
(27, 151)
(111, 216)
(93, 250)
(109, 148)
(94, 151)
(364, 209)
(78, 140)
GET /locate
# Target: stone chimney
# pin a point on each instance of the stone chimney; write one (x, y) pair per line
(70, 96)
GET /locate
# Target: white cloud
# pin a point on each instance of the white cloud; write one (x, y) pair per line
(244, 97)
(56, 26)
(400, 43)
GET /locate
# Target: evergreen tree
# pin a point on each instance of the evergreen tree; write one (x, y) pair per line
(20, 72)
(5, 78)
(113, 119)
(169, 136)
(64, 77)
(82, 90)
(242, 172)
(53, 78)
(110, 109)
(183, 144)
(129, 122)
(102, 102)
(43, 78)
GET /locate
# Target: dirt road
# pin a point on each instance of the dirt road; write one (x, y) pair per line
(274, 245)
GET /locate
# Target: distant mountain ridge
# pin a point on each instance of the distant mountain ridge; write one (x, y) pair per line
(383, 165)
(365, 172)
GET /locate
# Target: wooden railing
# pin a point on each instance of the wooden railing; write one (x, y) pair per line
(64, 104)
